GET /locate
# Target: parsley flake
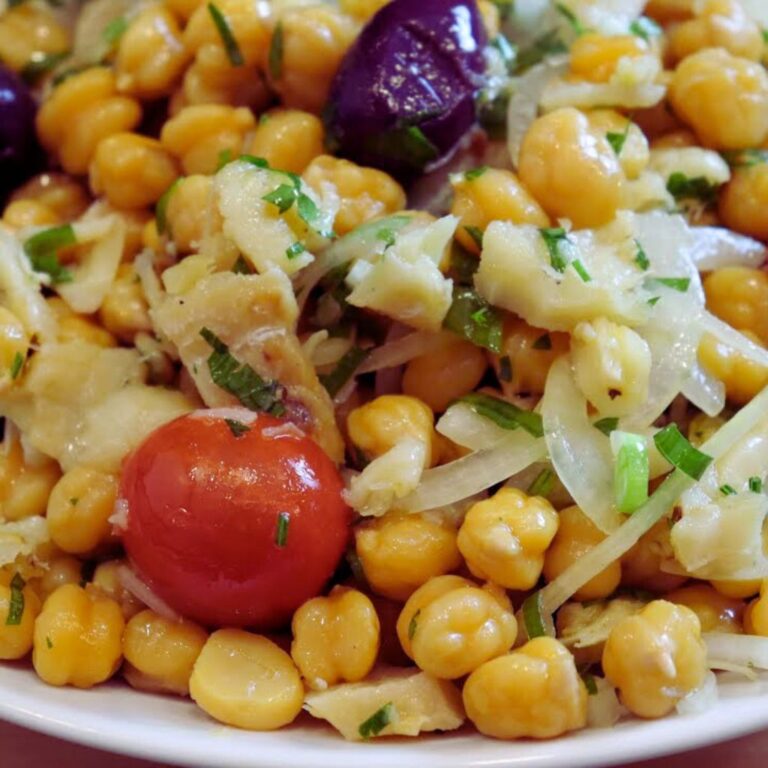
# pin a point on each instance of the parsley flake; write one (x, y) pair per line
(475, 173)
(641, 258)
(17, 365)
(559, 247)
(42, 251)
(378, 721)
(275, 57)
(16, 604)
(294, 250)
(234, 54)
(281, 534)
(237, 428)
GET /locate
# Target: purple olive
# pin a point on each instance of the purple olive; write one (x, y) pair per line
(19, 150)
(405, 92)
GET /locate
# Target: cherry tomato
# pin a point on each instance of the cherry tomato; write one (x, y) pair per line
(234, 518)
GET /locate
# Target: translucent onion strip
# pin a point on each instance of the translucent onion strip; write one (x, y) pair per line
(739, 650)
(715, 248)
(474, 473)
(463, 426)
(704, 391)
(619, 542)
(703, 698)
(402, 350)
(730, 336)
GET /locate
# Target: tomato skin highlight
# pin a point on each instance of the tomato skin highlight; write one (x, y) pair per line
(203, 514)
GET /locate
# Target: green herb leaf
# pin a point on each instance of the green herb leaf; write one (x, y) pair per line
(653, 301)
(114, 31)
(680, 284)
(607, 425)
(48, 642)
(344, 370)
(16, 604)
(617, 140)
(571, 18)
(306, 207)
(237, 428)
(755, 485)
(472, 318)
(283, 197)
(680, 453)
(475, 173)
(542, 484)
(294, 250)
(241, 266)
(40, 63)
(225, 157)
(581, 270)
(161, 207)
(240, 380)
(387, 236)
(259, 162)
(281, 534)
(275, 58)
(505, 368)
(645, 28)
(476, 234)
(727, 490)
(504, 414)
(559, 246)
(378, 721)
(74, 500)
(463, 265)
(234, 54)
(492, 107)
(507, 51)
(413, 624)
(17, 365)
(533, 618)
(631, 472)
(682, 187)
(42, 248)
(548, 44)
(745, 158)
(543, 342)
(589, 683)
(641, 258)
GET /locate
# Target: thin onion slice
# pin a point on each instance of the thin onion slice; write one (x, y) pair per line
(474, 473)
(580, 453)
(733, 338)
(703, 698)
(742, 650)
(603, 707)
(142, 592)
(464, 426)
(402, 350)
(704, 391)
(715, 248)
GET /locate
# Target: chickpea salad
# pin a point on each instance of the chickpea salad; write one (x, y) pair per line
(398, 364)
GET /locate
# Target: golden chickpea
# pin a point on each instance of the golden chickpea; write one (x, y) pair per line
(571, 169)
(743, 201)
(533, 692)
(25, 487)
(494, 194)
(20, 214)
(14, 345)
(150, 55)
(62, 570)
(28, 30)
(288, 139)
(335, 638)
(186, 226)
(756, 614)
(363, 9)
(365, 193)
(132, 171)
(678, 139)
(576, 535)
(716, 612)
(743, 378)
(503, 539)
(635, 153)
(56, 191)
(79, 509)
(739, 295)
(594, 57)
(183, 9)
(124, 311)
(78, 638)
(664, 11)
(400, 552)
(16, 630)
(702, 427)
(440, 377)
(719, 24)
(107, 582)
(737, 589)
(314, 40)
(160, 653)
(664, 641)
(641, 566)
(724, 99)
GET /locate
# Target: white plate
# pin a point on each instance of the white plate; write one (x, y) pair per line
(115, 718)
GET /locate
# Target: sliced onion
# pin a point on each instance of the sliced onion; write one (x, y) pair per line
(727, 666)
(464, 426)
(703, 698)
(733, 338)
(715, 248)
(141, 591)
(603, 707)
(474, 473)
(742, 650)
(150, 282)
(704, 391)
(400, 351)
(580, 453)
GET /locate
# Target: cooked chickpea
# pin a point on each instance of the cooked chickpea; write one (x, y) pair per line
(533, 692)
(335, 638)
(288, 139)
(756, 615)
(56, 191)
(14, 345)
(612, 364)
(702, 427)
(744, 200)
(738, 589)
(150, 55)
(364, 193)
(379, 425)
(664, 642)
(571, 169)
(106, 581)
(25, 485)
(73, 327)
(20, 214)
(594, 57)
(245, 680)
(440, 377)
(641, 565)
(314, 40)
(190, 214)
(669, 10)
(124, 311)
(82, 111)
(716, 612)
(16, 637)
(28, 30)
(495, 194)
(160, 653)
(724, 99)
(79, 509)
(364, 9)
(183, 9)
(400, 552)
(739, 295)
(198, 135)
(60, 571)
(78, 638)
(718, 24)
(576, 535)
(743, 378)
(503, 539)
(450, 628)
(635, 153)
(526, 357)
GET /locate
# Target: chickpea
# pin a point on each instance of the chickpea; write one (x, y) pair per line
(364, 9)
(716, 612)
(664, 11)
(756, 614)
(62, 570)
(288, 139)
(724, 99)
(702, 427)
(737, 589)
(73, 327)
(570, 169)
(743, 378)
(451, 634)
(16, 638)
(635, 153)
(503, 538)
(186, 225)
(335, 638)
(29, 30)
(57, 192)
(440, 377)
(20, 214)
(739, 295)
(594, 57)
(494, 194)
(576, 535)
(150, 55)
(612, 364)
(106, 581)
(77, 639)
(183, 9)
(664, 642)
(365, 193)
(743, 201)
(14, 345)
(160, 653)
(533, 692)
(25, 486)
(641, 566)
(124, 311)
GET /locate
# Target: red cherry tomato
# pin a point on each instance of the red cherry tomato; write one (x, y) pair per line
(233, 522)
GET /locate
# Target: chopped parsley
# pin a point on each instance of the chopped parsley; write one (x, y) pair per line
(240, 380)
(542, 484)
(344, 370)
(755, 485)
(286, 195)
(589, 683)
(474, 319)
(161, 208)
(241, 266)
(378, 721)
(40, 63)
(275, 57)
(559, 246)
(16, 604)
(581, 270)
(683, 187)
(645, 28)
(281, 534)
(48, 642)
(114, 31)
(680, 453)
(413, 624)
(387, 236)
(641, 258)
(680, 284)
(727, 490)
(237, 428)
(74, 501)
(571, 18)
(42, 251)
(475, 173)
(618, 140)
(476, 234)
(17, 365)
(607, 425)
(504, 414)
(224, 158)
(234, 54)
(745, 158)
(294, 250)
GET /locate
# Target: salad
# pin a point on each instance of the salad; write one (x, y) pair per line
(399, 363)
